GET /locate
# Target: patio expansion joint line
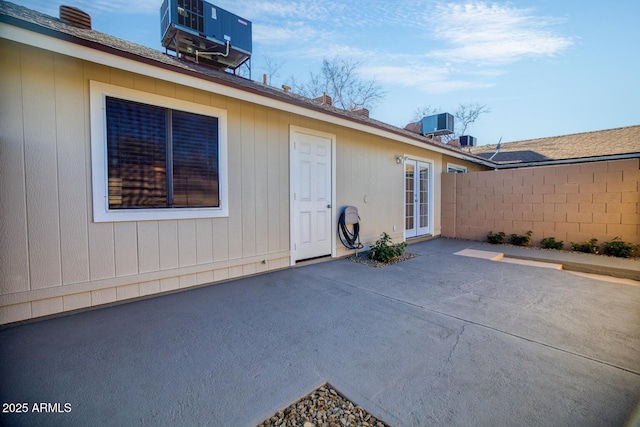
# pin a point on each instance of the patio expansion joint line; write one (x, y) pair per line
(583, 356)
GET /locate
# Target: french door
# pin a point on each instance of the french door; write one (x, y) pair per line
(417, 178)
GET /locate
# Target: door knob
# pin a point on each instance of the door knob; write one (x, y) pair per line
(328, 206)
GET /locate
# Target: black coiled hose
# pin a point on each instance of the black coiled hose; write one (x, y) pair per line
(350, 239)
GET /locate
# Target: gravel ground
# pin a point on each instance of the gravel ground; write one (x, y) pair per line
(323, 407)
(363, 258)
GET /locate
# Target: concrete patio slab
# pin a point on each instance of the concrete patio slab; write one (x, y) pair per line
(435, 340)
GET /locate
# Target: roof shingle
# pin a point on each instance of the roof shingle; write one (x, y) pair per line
(608, 142)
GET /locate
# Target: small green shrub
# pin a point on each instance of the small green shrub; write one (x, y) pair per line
(618, 248)
(551, 243)
(385, 251)
(496, 239)
(588, 247)
(521, 240)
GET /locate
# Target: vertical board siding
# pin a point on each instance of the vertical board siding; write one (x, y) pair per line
(168, 241)
(187, 254)
(204, 241)
(144, 83)
(284, 180)
(72, 170)
(14, 255)
(101, 240)
(148, 246)
(220, 239)
(166, 88)
(261, 182)
(184, 93)
(43, 218)
(102, 263)
(248, 170)
(234, 236)
(366, 167)
(121, 78)
(126, 248)
(273, 166)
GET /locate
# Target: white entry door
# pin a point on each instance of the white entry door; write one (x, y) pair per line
(311, 198)
(417, 198)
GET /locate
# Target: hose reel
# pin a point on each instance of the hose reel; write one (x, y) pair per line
(350, 239)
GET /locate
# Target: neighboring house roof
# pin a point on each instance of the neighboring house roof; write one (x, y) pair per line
(53, 27)
(588, 145)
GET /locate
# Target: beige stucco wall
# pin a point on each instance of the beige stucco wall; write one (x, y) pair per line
(54, 258)
(572, 203)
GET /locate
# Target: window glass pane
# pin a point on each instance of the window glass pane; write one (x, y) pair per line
(136, 151)
(195, 160)
(409, 196)
(424, 196)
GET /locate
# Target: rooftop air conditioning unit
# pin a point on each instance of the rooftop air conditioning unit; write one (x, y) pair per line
(468, 141)
(438, 124)
(205, 33)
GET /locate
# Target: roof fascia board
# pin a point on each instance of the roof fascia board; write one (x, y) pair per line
(62, 43)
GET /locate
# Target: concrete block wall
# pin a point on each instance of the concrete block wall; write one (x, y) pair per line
(572, 203)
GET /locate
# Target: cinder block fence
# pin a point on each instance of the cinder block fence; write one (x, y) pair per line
(572, 203)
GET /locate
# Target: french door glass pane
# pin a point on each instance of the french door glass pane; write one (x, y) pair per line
(409, 196)
(424, 196)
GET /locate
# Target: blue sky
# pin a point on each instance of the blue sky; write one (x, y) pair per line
(544, 68)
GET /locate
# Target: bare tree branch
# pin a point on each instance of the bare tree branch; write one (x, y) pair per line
(467, 114)
(271, 68)
(424, 111)
(339, 79)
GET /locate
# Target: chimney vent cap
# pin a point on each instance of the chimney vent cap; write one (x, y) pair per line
(76, 17)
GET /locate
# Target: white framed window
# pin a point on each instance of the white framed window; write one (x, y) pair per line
(155, 157)
(456, 168)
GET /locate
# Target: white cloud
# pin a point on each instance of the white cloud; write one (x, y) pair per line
(279, 35)
(482, 33)
(468, 44)
(432, 79)
(94, 7)
(266, 10)
(117, 6)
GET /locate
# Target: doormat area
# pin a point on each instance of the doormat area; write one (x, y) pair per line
(363, 258)
(323, 407)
